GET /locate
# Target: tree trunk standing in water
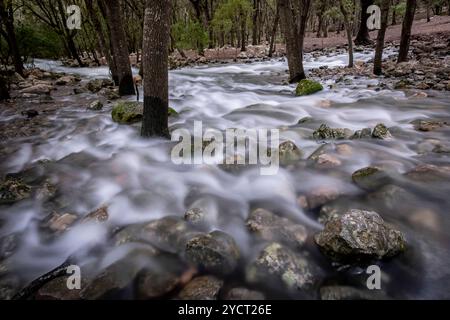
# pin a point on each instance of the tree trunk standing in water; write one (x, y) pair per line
(363, 36)
(256, 19)
(274, 32)
(155, 51)
(377, 64)
(406, 30)
(120, 48)
(7, 17)
(348, 29)
(293, 18)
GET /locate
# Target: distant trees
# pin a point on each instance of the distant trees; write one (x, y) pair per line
(7, 19)
(406, 30)
(156, 75)
(343, 4)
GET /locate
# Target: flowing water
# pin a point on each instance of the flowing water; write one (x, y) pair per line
(93, 161)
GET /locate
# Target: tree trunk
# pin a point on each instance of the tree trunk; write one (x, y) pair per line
(120, 48)
(377, 65)
(293, 24)
(256, 18)
(348, 29)
(406, 30)
(428, 4)
(6, 15)
(394, 12)
(243, 19)
(274, 32)
(4, 92)
(155, 61)
(363, 36)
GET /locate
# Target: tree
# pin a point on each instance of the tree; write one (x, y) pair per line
(406, 30)
(7, 17)
(348, 27)
(4, 92)
(363, 37)
(377, 64)
(293, 20)
(156, 74)
(119, 46)
(256, 20)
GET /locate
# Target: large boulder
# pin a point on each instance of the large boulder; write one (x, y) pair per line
(307, 87)
(271, 227)
(278, 265)
(127, 112)
(359, 235)
(216, 252)
(98, 84)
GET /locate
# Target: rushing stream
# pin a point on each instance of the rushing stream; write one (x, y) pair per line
(93, 161)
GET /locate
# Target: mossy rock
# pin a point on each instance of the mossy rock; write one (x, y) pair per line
(307, 87)
(172, 112)
(127, 112)
(13, 190)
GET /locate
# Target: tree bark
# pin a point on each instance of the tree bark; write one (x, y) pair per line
(256, 18)
(274, 32)
(348, 29)
(243, 19)
(7, 17)
(293, 18)
(377, 65)
(155, 61)
(4, 92)
(363, 36)
(408, 20)
(120, 47)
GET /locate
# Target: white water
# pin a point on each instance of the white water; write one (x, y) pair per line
(138, 182)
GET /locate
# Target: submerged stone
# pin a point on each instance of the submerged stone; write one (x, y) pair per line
(271, 227)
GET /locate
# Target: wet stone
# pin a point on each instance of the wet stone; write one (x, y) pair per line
(243, 294)
(272, 227)
(13, 190)
(370, 178)
(381, 132)
(326, 133)
(289, 153)
(201, 288)
(216, 252)
(359, 235)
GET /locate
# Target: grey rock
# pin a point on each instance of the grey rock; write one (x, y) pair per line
(243, 294)
(381, 132)
(201, 288)
(325, 133)
(289, 153)
(370, 178)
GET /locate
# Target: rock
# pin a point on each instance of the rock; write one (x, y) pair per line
(80, 90)
(65, 80)
(13, 190)
(60, 222)
(428, 125)
(289, 153)
(195, 216)
(321, 195)
(381, 132)
(243, 294)
(9, 287)
(110, 94)
(429, 173)
(216, 252)
(325, 132)
(271, 227)
(327, 161)
(38, 89)
(120, 274)
(154, 284)
(127, 112)
(30, 114)
(98, 84)
(307, 87)
(201, 288)
(359, 235)
(8, 245)
(278, 265)
(349, 293)
(98, 215)
(362, 134)
(370, 178)
(344, 150)
(95, 105)
(172, 112)
(56, 289)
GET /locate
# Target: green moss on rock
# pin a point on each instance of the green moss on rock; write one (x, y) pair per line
(127, 112)
(307, 87)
